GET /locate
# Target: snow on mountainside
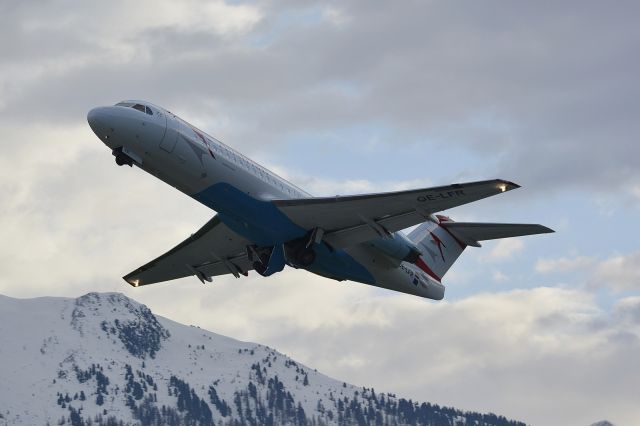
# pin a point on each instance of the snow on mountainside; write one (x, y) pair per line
(105, 359)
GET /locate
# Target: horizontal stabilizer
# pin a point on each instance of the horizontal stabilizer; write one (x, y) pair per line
(441, 240)
(471, 233)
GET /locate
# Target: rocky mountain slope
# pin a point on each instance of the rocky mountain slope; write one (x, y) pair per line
(104, 359)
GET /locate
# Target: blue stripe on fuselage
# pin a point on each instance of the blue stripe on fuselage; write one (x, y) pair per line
(338, 264)
(257, 220)
(265, 225)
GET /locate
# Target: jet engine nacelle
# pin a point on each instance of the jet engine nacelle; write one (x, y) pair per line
(397, 247)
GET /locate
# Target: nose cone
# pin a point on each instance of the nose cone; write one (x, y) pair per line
(97, 119)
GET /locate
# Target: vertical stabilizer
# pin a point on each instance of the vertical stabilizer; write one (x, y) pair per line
(439, 247)
(442, 240)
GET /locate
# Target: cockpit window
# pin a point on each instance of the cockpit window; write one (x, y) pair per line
(139, 107)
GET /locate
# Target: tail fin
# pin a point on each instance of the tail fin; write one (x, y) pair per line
(439, 247)
(441, 241)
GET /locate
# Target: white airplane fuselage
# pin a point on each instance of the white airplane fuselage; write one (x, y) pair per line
(241, 191)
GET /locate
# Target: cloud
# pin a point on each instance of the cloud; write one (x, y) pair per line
(563, 264)
(326, 186)
(220, 17)
(505, 249)
(628, 311)
(635, 192)
(500, 277)
(335, 16)
(617, 272)
(508, 87)
(68, 212)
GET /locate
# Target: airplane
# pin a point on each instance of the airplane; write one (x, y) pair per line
(264, 222)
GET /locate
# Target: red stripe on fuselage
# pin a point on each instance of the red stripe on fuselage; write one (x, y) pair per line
(422, 265)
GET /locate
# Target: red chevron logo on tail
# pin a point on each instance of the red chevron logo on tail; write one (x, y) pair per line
(439, 243)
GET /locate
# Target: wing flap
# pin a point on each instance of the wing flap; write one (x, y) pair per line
(365, 232)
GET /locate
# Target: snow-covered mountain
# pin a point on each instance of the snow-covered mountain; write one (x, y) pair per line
(105, 359)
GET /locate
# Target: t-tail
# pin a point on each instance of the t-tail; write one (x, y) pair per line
(442, 240)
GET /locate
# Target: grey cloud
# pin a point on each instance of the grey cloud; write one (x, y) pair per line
(550, 87)
(619, 272)
(66, 222)
(628, 311)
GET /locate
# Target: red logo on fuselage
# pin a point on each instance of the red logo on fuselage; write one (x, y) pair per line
(205, 141)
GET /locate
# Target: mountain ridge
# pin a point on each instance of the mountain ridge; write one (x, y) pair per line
(103, 358)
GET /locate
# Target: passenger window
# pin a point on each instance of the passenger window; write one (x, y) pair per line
(139, 107)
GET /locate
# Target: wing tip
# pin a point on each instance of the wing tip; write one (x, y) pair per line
(133, 282)
(546, 230)
(541, 229)
(506, 185)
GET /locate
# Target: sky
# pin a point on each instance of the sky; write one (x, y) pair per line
(342, 98)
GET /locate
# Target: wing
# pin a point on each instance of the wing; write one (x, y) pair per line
(213, 250)
(350, 220)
